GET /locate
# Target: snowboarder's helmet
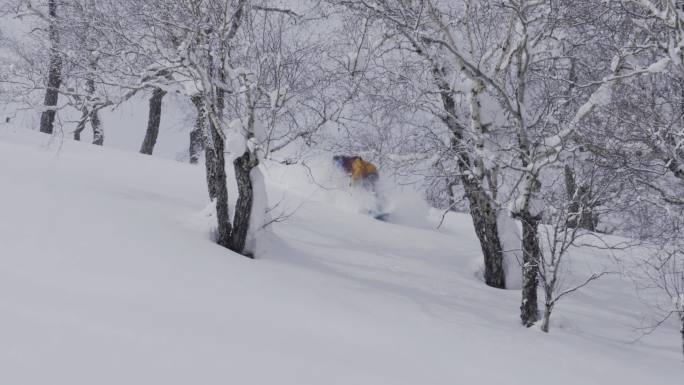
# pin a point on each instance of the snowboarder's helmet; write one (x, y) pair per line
(338, 160)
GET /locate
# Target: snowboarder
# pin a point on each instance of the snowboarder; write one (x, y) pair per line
(362, 174)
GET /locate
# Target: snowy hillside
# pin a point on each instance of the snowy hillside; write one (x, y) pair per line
(108, 275)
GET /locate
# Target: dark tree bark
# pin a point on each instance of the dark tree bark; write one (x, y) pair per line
(215, 163)
(243, 209)
(197, 136)
(225, 228)
(98, 131)
(484, 219)
(54, 81)
(548, 308)
(210, 161)
(153, 122)
(530, 219)
(196, 145)
(215, 171)
(529, 308)
(81, 123)
(90, 111)
(218, 185)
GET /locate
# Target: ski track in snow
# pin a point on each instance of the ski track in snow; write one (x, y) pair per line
(108, 276)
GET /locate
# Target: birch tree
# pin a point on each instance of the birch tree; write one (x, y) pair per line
(420, 29)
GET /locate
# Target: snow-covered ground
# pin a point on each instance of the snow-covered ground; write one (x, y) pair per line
(108, 276)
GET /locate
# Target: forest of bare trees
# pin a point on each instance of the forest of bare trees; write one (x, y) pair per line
(567, 116)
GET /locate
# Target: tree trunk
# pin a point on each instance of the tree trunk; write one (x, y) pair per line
(547, 318)
(571, 192)
(211, 166)
(197, 135)
(227, 233)
(485, 222)
(85, 112)
(243, 209)
(548, 305)
(196, 145)
(91, 107)
(98, 132)
(215, 165)
(210, 157)
(210, 160)
(218, 184)
(530, 216)
(54, 81)
(580, 207)
(529, 310)
(81, 123)
(153, 122)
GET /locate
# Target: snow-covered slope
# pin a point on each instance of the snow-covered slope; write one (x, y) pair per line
(108, 276)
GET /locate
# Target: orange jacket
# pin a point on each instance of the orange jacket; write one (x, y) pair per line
(360, 169)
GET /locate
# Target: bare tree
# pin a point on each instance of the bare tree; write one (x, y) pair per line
(646, 116)
(663, 272)
(561, 235)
